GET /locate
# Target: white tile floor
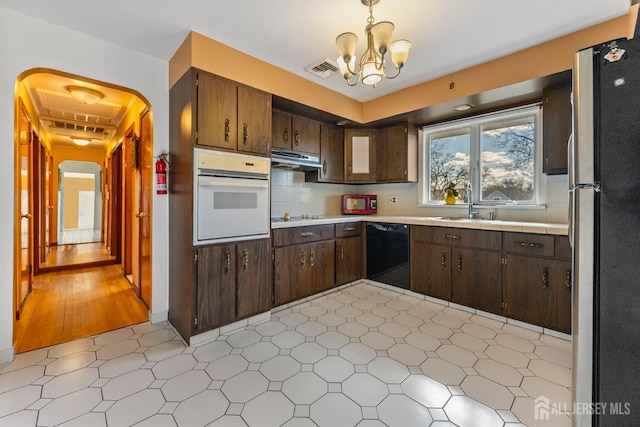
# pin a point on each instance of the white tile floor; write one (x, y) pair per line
(363, 355)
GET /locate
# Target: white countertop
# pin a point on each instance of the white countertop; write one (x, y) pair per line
(480, 224)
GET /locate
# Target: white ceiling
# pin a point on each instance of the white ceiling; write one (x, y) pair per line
(446, 35)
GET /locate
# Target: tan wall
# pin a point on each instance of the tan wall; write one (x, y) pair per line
(72, 188)
(542, 60)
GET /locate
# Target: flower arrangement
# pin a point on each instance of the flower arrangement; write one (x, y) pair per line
(450, 193)
(451, 188)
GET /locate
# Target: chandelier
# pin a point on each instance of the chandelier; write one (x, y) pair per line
(372, 66)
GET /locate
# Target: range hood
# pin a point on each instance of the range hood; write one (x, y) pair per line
(294, 161)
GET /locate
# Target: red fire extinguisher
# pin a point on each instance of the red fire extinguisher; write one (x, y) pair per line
(161, 174)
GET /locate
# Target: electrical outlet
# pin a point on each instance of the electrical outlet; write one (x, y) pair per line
(393, 199)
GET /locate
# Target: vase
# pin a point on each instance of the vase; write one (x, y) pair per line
(449, 198)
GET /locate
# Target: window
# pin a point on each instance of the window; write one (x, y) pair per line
(497, 153)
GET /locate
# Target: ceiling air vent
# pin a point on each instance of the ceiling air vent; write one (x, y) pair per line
(323, 69)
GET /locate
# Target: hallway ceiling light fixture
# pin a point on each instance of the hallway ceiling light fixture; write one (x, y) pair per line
(81, 141)
(85, 95)
(372, 65)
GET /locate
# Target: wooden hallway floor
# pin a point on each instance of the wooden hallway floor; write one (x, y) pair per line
(71, 304)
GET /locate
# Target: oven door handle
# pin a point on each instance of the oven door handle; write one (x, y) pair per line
(214, 181)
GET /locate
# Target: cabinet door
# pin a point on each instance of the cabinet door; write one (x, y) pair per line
(531, 294)
(397, 152)
(477, 279)
(253, 290)
(217, 112)
(562, 319)
(360, 156)
(216, 287)
(306, 135)
(331, 156)
(254, 120)
(291, 273)
(431, 270)
(321, 266)
(348, 259)
(281, 130)
(556, 122)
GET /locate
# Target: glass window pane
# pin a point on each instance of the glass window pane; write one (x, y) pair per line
(449, 154)
(507, 160)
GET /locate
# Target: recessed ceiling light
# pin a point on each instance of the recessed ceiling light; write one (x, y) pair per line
(463, 107)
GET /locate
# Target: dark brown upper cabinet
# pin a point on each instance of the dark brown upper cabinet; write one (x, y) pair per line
(232, 116)
(296, 133)
(556, 128)
(397, 154)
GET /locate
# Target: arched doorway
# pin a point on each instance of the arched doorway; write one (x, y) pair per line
(77, 181)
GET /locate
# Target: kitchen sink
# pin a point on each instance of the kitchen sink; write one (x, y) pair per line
(450, 218)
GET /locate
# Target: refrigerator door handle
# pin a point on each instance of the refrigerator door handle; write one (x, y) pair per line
(570, 164)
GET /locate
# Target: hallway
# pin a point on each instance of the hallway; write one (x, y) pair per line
(67, 305)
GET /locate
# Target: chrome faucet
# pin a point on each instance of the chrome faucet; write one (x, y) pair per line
(469, 194)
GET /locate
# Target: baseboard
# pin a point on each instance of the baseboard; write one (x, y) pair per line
(160, 316)
(6, 355)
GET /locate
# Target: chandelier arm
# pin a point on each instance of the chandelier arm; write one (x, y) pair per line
(394, 76)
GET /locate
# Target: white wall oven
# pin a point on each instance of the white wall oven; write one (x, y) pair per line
(231, 197)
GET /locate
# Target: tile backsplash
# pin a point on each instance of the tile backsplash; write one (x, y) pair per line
(289, 193)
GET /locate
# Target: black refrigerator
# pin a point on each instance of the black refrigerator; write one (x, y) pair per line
(604, 189)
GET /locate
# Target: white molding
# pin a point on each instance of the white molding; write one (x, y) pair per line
(7, 355)
(158, 317)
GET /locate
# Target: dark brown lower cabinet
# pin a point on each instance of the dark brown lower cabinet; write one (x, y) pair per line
(451, 264)
(348, 259)
(232, 282)
(522, 276)
(430, 269)
(254, 290)
(303, 270)
(539, 291)
(477, 279)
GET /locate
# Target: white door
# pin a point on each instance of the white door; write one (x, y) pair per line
(86, 208)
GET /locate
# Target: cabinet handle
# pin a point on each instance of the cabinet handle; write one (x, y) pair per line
(227, 129)
(324, 167)
(459, 262)
(350, 170)
(349, 229)
(545, 277)
(245, 134)
(443, 260)
(312, 257)
(452, 236)
(245, 259)
(307, 234)
(529, 244)
(227, 262)
(567, 280)
(341, 251)
(296, 138)
(302, 259)
(286, 135)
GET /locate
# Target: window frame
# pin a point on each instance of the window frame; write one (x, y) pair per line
(475, 124)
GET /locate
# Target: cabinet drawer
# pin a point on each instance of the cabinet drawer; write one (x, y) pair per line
(529, 244)
(295, 235)
(441, 235)
(477, 239)
(349, 229)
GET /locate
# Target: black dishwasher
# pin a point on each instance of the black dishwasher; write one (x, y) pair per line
(388, 253)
